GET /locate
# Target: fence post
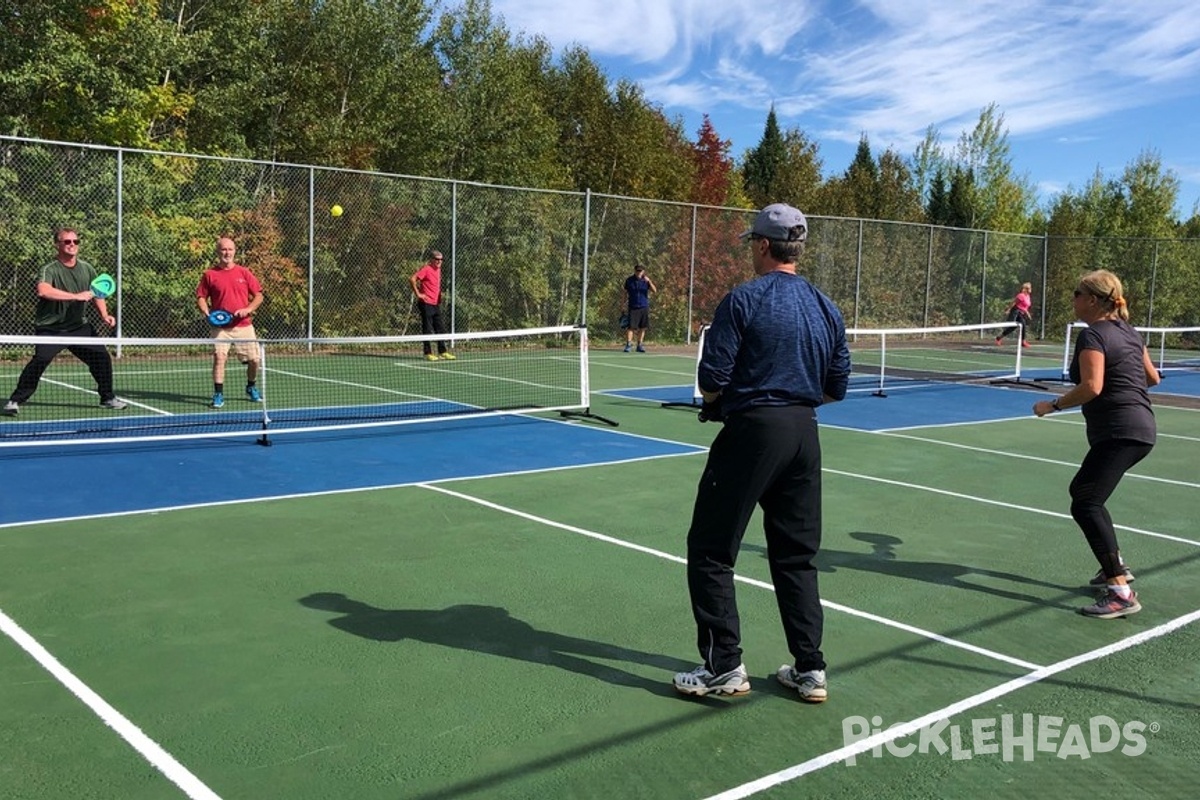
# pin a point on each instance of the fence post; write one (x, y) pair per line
(691, 275)
(1045, 281)
(587, 231)
(1153, 281)
(983, 283)
(453, 258)
(312, 268)
(120, 242)
(928, 278)
(858, 273)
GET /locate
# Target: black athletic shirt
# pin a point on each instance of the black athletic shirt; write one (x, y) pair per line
(1122, 409)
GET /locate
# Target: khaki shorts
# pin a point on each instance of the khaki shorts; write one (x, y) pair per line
(241, 338)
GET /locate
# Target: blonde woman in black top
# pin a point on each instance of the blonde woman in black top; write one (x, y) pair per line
(1112, 371)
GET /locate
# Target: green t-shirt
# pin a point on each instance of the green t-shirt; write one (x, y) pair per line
(63, 315)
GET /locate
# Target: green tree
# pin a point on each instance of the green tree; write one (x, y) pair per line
(1000, 200)
(1152, 193)
(897, 197)
(654, 155)
(493, 122)
(69, 70)
(799, 180)
(929, 164)
(862, 183)
(961, 210)
(763, 164)
(584, 111)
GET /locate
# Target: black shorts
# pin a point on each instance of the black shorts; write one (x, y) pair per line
(639, 318)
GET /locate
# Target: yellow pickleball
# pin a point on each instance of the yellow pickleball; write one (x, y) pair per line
(336, 211)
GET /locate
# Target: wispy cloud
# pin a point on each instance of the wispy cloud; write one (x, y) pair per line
(889, 68)
(913, 63)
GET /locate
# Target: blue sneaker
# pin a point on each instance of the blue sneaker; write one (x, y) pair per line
(218, 400)
(627, 348)
(253, 393)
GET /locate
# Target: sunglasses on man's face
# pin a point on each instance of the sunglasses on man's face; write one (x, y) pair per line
(68, 241)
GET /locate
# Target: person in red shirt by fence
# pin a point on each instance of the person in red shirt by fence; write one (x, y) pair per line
(427, 286)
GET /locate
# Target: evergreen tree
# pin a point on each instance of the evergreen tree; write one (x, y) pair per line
(937, 207)
(762, 164)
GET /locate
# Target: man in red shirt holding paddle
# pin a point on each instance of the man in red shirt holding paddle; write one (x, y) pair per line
(63, 292)
(229, 287)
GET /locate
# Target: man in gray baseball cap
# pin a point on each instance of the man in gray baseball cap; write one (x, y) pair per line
(779, 222)
(776, 350)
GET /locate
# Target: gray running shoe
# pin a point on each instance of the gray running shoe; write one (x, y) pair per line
(700, 681)
(1110, 605)
(810, 685)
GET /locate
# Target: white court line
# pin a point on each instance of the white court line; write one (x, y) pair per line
(126, 399)
(351, 384)
(159, 758)
(1178, 436)
(937, 637)
(673, 372)
(458, 372)
(1039, 459)
(974, 701)
(1002, 504)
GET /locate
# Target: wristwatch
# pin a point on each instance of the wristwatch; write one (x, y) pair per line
(1054, 404)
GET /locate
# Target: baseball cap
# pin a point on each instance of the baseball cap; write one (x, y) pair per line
(639, 268)
(776, 221)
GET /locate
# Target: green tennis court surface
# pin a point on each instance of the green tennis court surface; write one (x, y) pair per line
(514, 636)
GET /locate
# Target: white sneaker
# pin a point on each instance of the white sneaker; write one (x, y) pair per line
(810, 685)
(116, 404)
(12, 408)
(700, 681)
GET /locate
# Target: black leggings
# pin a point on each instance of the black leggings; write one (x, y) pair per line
(1015, 315)
(96, 357)
(1102, 469)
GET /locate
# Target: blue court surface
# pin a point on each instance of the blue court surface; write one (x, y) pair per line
(1185, 382)
(919, 404)
(43, 483)
(910, 406)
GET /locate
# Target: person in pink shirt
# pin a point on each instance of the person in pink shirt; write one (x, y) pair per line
(427, 286)
(1019, 312)
(229, 286)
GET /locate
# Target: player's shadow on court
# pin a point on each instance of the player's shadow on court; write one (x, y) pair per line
(492, 630)
(883, 559)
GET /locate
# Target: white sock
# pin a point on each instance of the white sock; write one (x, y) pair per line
(1122, 590)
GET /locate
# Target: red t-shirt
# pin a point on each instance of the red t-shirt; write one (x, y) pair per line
(229, 289)
(429, 278)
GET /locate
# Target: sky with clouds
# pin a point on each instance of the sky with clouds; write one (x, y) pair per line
(1083, 86)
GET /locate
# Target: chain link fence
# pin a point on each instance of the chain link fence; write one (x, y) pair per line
(515, 258)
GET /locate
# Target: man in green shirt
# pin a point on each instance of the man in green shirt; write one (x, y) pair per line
(63, 290)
